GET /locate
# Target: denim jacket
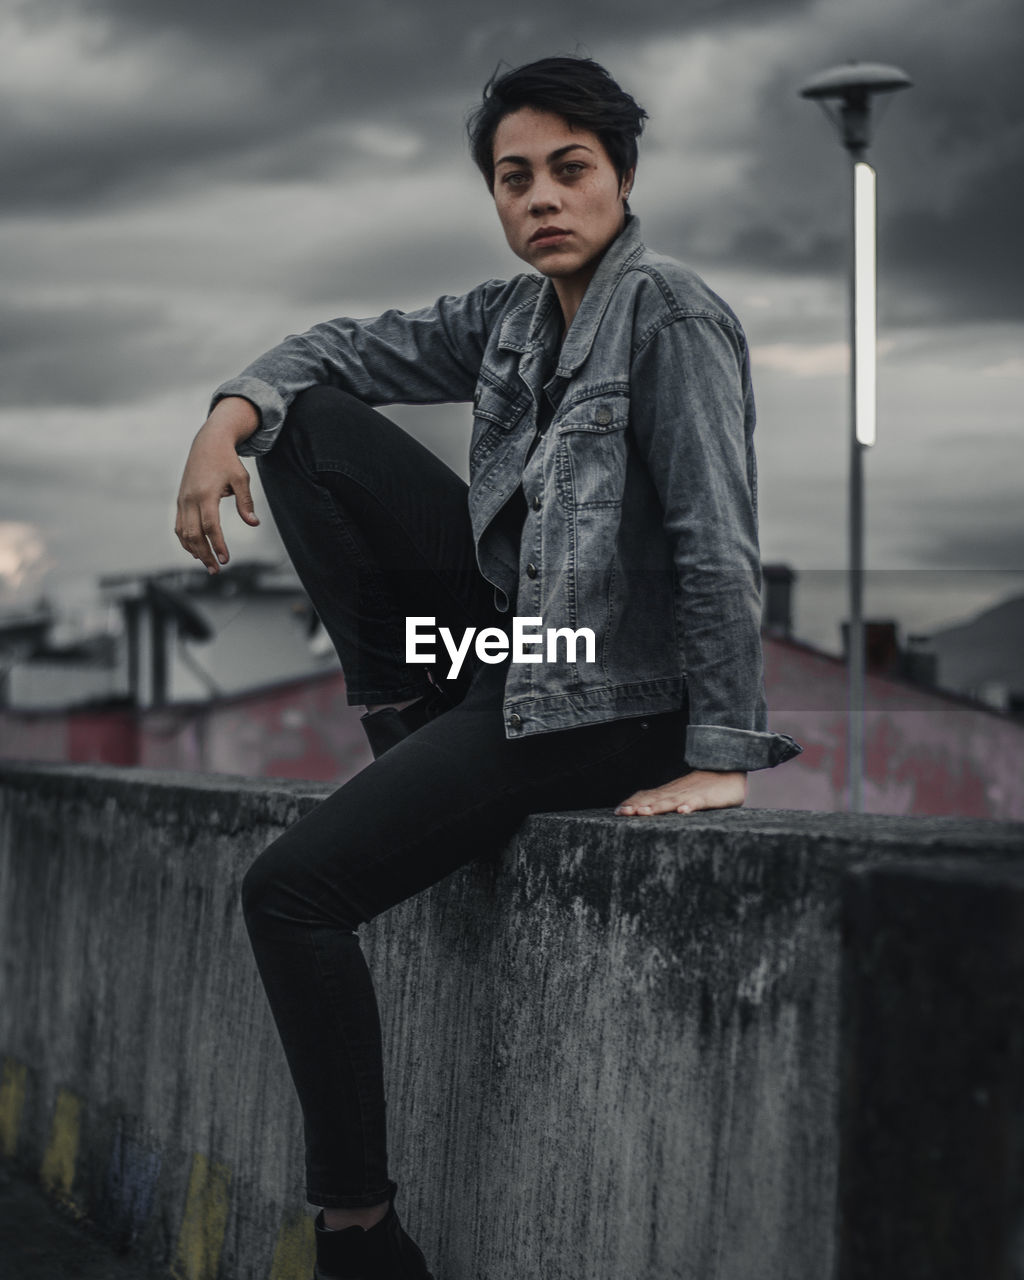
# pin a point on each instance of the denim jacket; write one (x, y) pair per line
(641, 495)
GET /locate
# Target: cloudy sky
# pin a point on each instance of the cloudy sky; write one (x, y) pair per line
(187, 182)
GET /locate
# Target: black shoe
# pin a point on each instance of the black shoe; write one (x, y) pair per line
(387, 727)
(384, 1252)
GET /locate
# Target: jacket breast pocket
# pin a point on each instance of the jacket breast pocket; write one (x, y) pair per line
(495, 413)
(591, 454)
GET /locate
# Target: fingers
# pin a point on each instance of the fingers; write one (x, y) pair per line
(199, 532)
(210, 525)
(645, 803)
(689, 794)
(244, 504)
(673, 797)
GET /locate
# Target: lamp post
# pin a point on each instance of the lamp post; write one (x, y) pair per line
(845, 93)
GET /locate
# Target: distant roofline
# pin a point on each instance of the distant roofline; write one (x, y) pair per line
(946, 695)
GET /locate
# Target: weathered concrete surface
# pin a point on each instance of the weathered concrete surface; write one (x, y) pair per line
(611, 1052)
(932, 1086)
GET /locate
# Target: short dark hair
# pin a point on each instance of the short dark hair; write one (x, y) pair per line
(578, 89)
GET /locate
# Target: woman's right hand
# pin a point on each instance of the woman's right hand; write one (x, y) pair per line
(213, 471)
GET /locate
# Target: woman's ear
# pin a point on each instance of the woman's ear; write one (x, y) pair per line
(626, 185)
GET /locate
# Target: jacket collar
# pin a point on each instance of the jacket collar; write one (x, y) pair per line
(523, 330)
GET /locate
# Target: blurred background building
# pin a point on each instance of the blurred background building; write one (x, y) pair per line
(232, 673)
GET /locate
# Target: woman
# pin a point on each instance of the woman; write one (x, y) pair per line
(612, 492)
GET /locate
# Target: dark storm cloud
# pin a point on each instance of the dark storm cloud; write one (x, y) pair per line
(292, 69)
(88, 354)
(402, 275)
(91, 162)
(949, 153)
(28, 476)
(255, 92)
(973, 253)
(963, 533)
(949, 501)
(245, 22)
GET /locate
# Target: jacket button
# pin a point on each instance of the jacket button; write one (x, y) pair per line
(535, 503)
(514, 721)
(603, 416)
(531, 570)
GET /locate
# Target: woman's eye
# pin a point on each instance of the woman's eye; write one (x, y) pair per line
(514, 179)
(573, 168)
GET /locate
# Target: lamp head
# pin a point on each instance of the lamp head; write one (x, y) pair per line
(848, 90)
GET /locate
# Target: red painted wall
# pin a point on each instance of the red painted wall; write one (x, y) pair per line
(925, 752)
(302, 729)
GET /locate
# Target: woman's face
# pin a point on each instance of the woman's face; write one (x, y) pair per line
(558, 196)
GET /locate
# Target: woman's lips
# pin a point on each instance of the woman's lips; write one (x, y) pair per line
(546, 237)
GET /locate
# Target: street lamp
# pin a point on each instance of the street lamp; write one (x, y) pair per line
(845, 93)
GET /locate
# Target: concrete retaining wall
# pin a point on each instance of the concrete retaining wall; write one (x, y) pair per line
(931, 1178)
(612, 1054)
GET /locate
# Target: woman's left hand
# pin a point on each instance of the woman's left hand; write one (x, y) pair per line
(701, 789)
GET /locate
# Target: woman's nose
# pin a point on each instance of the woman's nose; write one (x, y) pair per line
(543, 196)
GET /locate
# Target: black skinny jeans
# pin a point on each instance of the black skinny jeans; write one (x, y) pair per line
(378, 528)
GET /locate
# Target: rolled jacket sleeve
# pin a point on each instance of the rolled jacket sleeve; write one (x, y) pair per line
(692, 415)
(428, 356)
